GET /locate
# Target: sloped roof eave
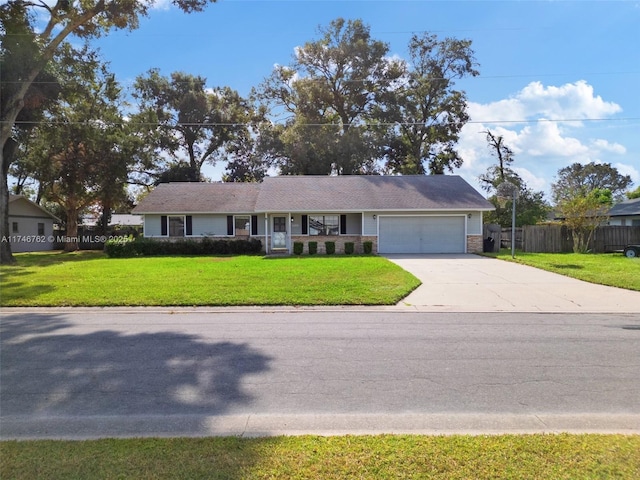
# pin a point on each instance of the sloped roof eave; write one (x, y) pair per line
(14, 198)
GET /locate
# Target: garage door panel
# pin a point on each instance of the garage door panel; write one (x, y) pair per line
(422, 234)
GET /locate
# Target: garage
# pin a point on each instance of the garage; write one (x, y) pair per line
(422, 234)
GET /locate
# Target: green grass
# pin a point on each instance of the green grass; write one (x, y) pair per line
(371, 457)
(612, 269)
(92, 279)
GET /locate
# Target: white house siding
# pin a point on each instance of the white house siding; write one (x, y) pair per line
(202, 225)
(631, 221)
(370, 224)
(26, 238)
(474, 224)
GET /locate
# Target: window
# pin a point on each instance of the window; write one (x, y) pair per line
(176, 226)
(242, 225)
(279, 224)
(41, 229)
(324, 224)
(14, 227)
(635, 223)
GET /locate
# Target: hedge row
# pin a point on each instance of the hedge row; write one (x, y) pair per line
(130, 247)
(330, 248)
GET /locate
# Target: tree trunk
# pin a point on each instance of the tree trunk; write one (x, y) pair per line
(6, 257)
(72, 241)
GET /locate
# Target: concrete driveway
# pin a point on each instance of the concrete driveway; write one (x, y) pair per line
(471, 283)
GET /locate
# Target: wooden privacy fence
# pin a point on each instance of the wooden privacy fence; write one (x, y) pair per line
(557, 238)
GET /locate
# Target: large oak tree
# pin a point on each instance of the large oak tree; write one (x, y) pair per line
(81, 18)
(329, 94)
(190, 123)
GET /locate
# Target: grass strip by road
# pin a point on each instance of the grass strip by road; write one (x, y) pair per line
(561, 456)
(612, 269)
(92, 279)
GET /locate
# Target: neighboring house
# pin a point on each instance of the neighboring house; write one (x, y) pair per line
(125, 220)
(30, 226)
(117, 220)
(398, 214)
(626, 213)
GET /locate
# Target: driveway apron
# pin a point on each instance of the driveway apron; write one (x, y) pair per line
(472, 283)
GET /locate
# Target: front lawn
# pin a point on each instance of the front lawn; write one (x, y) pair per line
(92, 279)
(612, 269)
(371, 457)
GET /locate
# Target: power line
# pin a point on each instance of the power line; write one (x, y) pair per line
(377, 124)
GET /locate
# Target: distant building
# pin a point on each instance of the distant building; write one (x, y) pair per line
(626, 213)
(30, 226)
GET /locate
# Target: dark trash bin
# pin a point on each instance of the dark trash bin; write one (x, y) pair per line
(488, 244)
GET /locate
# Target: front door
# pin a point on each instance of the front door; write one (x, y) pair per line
(279, 232)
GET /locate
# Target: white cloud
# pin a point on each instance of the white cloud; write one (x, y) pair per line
(547, 139)
(630, 170)
(572, 101)
(159, 4)
(604, 145)
(531, 123)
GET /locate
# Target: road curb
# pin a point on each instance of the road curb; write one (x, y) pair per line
(268, 425)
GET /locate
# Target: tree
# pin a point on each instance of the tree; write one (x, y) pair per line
(331, 89)
(188, 121)
(502, 171)
(531, 206)
(583, 213)
(579, 180)
(632, 194)
(178, 172)
(83, 19)
(426, 114)
(83, 144)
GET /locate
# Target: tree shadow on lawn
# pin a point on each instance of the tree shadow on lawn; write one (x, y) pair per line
(48, 369)
(44, 259)
(14, 291)
(567, 266)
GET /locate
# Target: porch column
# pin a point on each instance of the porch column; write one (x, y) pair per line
(289, 228)
(266, 233)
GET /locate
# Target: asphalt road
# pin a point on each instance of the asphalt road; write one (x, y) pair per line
(101, 372)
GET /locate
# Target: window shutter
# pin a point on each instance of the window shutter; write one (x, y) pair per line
(343, 224)
(229, 224)
(305, 224)
(254, 225)
(189, 225)
(163, 226)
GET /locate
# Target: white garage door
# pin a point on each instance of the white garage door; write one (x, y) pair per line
(422, 234)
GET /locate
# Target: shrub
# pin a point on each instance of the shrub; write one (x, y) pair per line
(367, 247)
(147, 247)
(298, 247)
(121, 247)
(313, 248)
(330, 247)
(349, 248)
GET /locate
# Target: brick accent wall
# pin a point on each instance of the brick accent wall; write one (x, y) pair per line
(474, 244)
(339, 241)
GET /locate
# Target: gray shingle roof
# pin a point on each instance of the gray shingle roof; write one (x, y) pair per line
(317, 193)
(185, 197)
(628, 207)
(368, 192)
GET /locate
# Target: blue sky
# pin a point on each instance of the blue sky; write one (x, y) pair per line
(569, 70)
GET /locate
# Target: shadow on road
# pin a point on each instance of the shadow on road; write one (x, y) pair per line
(47, 369)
